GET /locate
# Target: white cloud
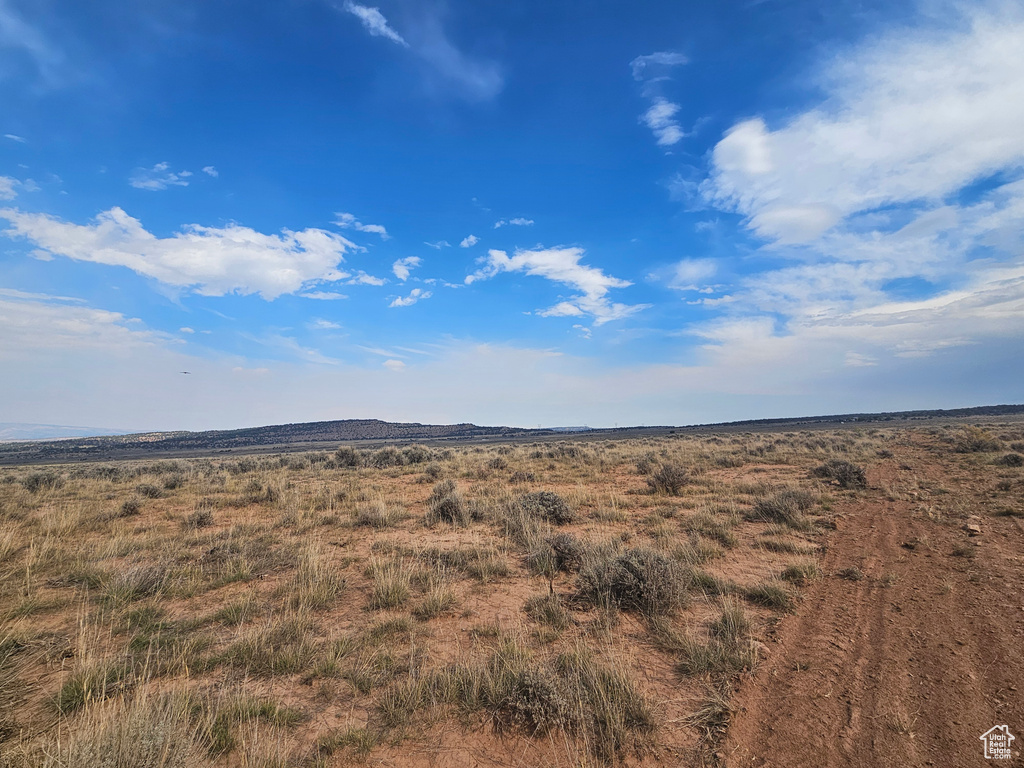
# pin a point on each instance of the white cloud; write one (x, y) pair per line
(361, 278)
(31, 322)
(416, 294)
(319, 324)
(517, 222)
(348, 221)
(209, 260)
(691, 274)
(653, 70)
(393, 365)
(209, 170)
(469, 241)
(374, 22)
(660, 118)
(7, 185)
(654, 65)
(439, 245)
(911, 117)
(323, 295)
(186, 329)
(13, 137)
(158, 177)
(403, 267)
(562, 265)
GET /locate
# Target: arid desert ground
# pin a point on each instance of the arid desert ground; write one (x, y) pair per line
(847, 597)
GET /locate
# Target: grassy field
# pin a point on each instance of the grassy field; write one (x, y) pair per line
(560, 603)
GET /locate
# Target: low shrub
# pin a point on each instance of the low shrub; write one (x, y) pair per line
(786, 506)
(43, 481)
(845, 473)
(639, 579)
(548, 506)
(668, 478)
(1010, 460)
(131, 507)
(149, 491)
(976, 440)
(446, 504)
(348, 457)
(378, 514)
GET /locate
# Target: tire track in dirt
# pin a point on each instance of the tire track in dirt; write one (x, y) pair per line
(906, 666)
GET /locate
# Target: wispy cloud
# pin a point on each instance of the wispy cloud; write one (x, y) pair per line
(416, 294)
(652, 70)
(7, 188)
(439, 245)
(562, 265)
(324, 295)
(209, 170)
(374, 22)
(449, 69)
(159, 177)
(654, 66)
(660, 118)
(469, 241)
(13, 137)
(517, 222)
(393, 365)
(18, 34)
(319, 324)
(212, 261)
(403, 267)
(349, 221)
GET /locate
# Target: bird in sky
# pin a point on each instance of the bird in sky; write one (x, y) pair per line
(187, 373)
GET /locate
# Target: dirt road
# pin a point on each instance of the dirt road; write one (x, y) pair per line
(910, 663)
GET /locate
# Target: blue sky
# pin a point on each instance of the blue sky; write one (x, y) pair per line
(519, 213)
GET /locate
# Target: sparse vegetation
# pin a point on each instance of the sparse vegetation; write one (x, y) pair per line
(402, 592)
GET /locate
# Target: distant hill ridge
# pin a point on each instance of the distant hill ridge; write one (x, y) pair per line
(327, 434)
(116, 446)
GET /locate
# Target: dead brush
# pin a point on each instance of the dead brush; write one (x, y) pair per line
(788, 506)
(378, 514)
(726, 649)
(148, 730)
(438, 594)
(391, 582)
(316, 584)
(843, 473)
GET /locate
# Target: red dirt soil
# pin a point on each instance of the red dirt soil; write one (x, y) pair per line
(909, 665)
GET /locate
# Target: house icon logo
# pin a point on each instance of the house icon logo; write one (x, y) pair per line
(997, 742)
